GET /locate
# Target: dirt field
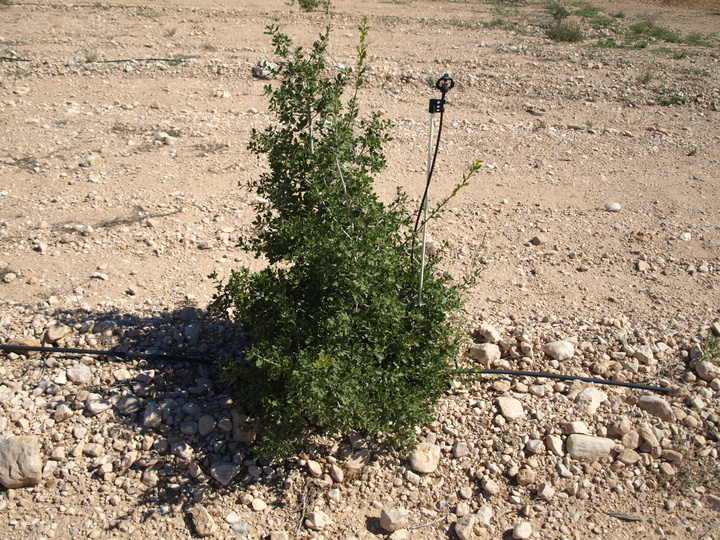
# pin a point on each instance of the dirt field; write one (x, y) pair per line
(123, 133)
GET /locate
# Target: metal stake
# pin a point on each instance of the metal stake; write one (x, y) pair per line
(444, 84)
(425, 208)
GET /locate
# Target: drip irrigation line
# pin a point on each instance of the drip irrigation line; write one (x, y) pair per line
(564, 378)
(198, 360)
(119, 354)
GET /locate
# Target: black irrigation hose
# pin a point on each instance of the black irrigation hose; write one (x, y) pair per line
(119, 354)
(196, 360)
(564, 378)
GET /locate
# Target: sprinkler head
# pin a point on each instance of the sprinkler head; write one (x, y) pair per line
(444, 84)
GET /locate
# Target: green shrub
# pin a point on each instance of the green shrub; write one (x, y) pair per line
(557, 11)
(589, 11)
(337, 339)
(711, 346)
(312, 5)
(568, 32)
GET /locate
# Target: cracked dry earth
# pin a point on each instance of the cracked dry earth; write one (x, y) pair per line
(595, 217)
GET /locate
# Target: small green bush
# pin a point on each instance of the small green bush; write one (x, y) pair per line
(338, 341)
(568, 32)
(557, 11)
(712, 349)
(589, 11)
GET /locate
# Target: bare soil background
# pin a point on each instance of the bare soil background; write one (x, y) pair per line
(123, 154)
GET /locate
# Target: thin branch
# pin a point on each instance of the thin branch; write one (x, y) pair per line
(347, 199)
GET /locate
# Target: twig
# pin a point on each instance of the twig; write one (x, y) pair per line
(11, 59)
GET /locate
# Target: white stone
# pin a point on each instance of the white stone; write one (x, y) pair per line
(317, 520)
(20, 462)
(522, 531)
(559, 350)
(510, 408)
(590, 399)
(488, 332)
(485, 353)
(588, 448)
(425, 458)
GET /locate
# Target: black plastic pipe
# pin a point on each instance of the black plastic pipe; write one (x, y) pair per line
(564, 378)
(197, 360)
(119, 354)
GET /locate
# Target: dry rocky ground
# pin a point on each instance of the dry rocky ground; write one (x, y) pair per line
(122, 144)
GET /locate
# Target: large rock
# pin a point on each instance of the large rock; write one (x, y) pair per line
(20, 462)
(485, 353)
(559, 350)
(224, 471)
(707, 371)
(590, 399)
(80, 374)
(510, 408)
(203, 522)
(488, 333)
(425, 458)
(657, 406)
(464, 527)
(588, 448)
(392, 519)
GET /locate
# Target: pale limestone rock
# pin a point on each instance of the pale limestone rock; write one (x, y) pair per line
(392, 519)
(588, 448)
(20, 462)
(510, 408)
(425, 458)
(203, 522)
(559, 350)
(657, 406)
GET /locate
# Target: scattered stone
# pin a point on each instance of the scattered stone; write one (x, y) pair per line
(425, 458)
(314, 468)
(464, 527)
(62, 413)
(56, 332)
(20, 462)
(510, 408)
(522, 531)
(707, 371)
(559, 350)
(485, 353)
(488, 333)
(657, 406)
(588, 448)
(129, 404)
(490, 486)
(484, 516)
(203, 522)
(555, 445)
(613, 207)
(590, 399)
(224, 472)
(258, 505)
(546, 492)
(80, 374)
(317, 520)
(392, 519)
